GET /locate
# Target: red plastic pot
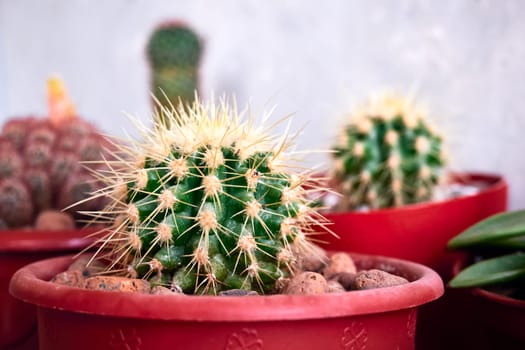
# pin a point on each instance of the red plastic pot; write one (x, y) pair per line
(472, 318)
(73, 318)
(501, 314)
(19, 248)
(418, 232)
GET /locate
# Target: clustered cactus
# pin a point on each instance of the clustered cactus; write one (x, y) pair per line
(387, 156)
(174, 52)
(39, 162)
(207, 203)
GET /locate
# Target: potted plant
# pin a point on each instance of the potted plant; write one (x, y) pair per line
(208, 204)
(396, 199)
(493, 277)
(40, 174)
(174, 53)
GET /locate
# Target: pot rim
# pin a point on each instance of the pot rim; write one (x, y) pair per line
(498, 298)
(31, 284)
(496, 183)
(27, 241)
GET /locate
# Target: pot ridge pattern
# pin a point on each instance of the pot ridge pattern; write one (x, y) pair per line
(246, 339)
(125, 340)
(354, 337)
(411, 324)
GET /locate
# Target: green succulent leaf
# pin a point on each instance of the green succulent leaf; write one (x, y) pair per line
(512, 243)
(497, 228)
(498, 270)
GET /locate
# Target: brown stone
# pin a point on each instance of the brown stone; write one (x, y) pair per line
(307, 283)
(238, 293)
(313, 258)
(160, 290)
(88, 268)
(53, 220)
(70, 278)
(335, 287)
(345, 279)
(374, 278)
(115, 283)
(339, 263)
(77, 272)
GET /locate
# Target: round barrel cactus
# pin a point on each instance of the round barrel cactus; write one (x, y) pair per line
(387, 156)
(208, 203)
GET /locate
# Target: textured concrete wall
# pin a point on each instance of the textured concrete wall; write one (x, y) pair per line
(464, 59)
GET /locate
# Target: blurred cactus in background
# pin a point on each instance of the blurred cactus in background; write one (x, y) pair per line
(387, 155)
(40, 159)
(174, 53)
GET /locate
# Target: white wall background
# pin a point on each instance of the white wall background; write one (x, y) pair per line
(465, 59)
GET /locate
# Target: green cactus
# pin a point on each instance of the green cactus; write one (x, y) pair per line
(174, 44)
(174, 53)
(387, 156)
(207, 204)
(178, 84)
(43, 155)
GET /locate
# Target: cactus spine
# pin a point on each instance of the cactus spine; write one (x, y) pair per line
(387, 155)
(207, 204)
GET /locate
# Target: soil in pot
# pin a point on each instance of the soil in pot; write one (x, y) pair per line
(332, 273)
(378, 318)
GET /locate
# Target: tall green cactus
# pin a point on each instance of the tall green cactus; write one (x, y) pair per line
(208, 203)
(174, 53)
(387, 155)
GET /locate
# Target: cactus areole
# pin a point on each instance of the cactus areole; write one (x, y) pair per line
(387, 156)
(207, 203)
